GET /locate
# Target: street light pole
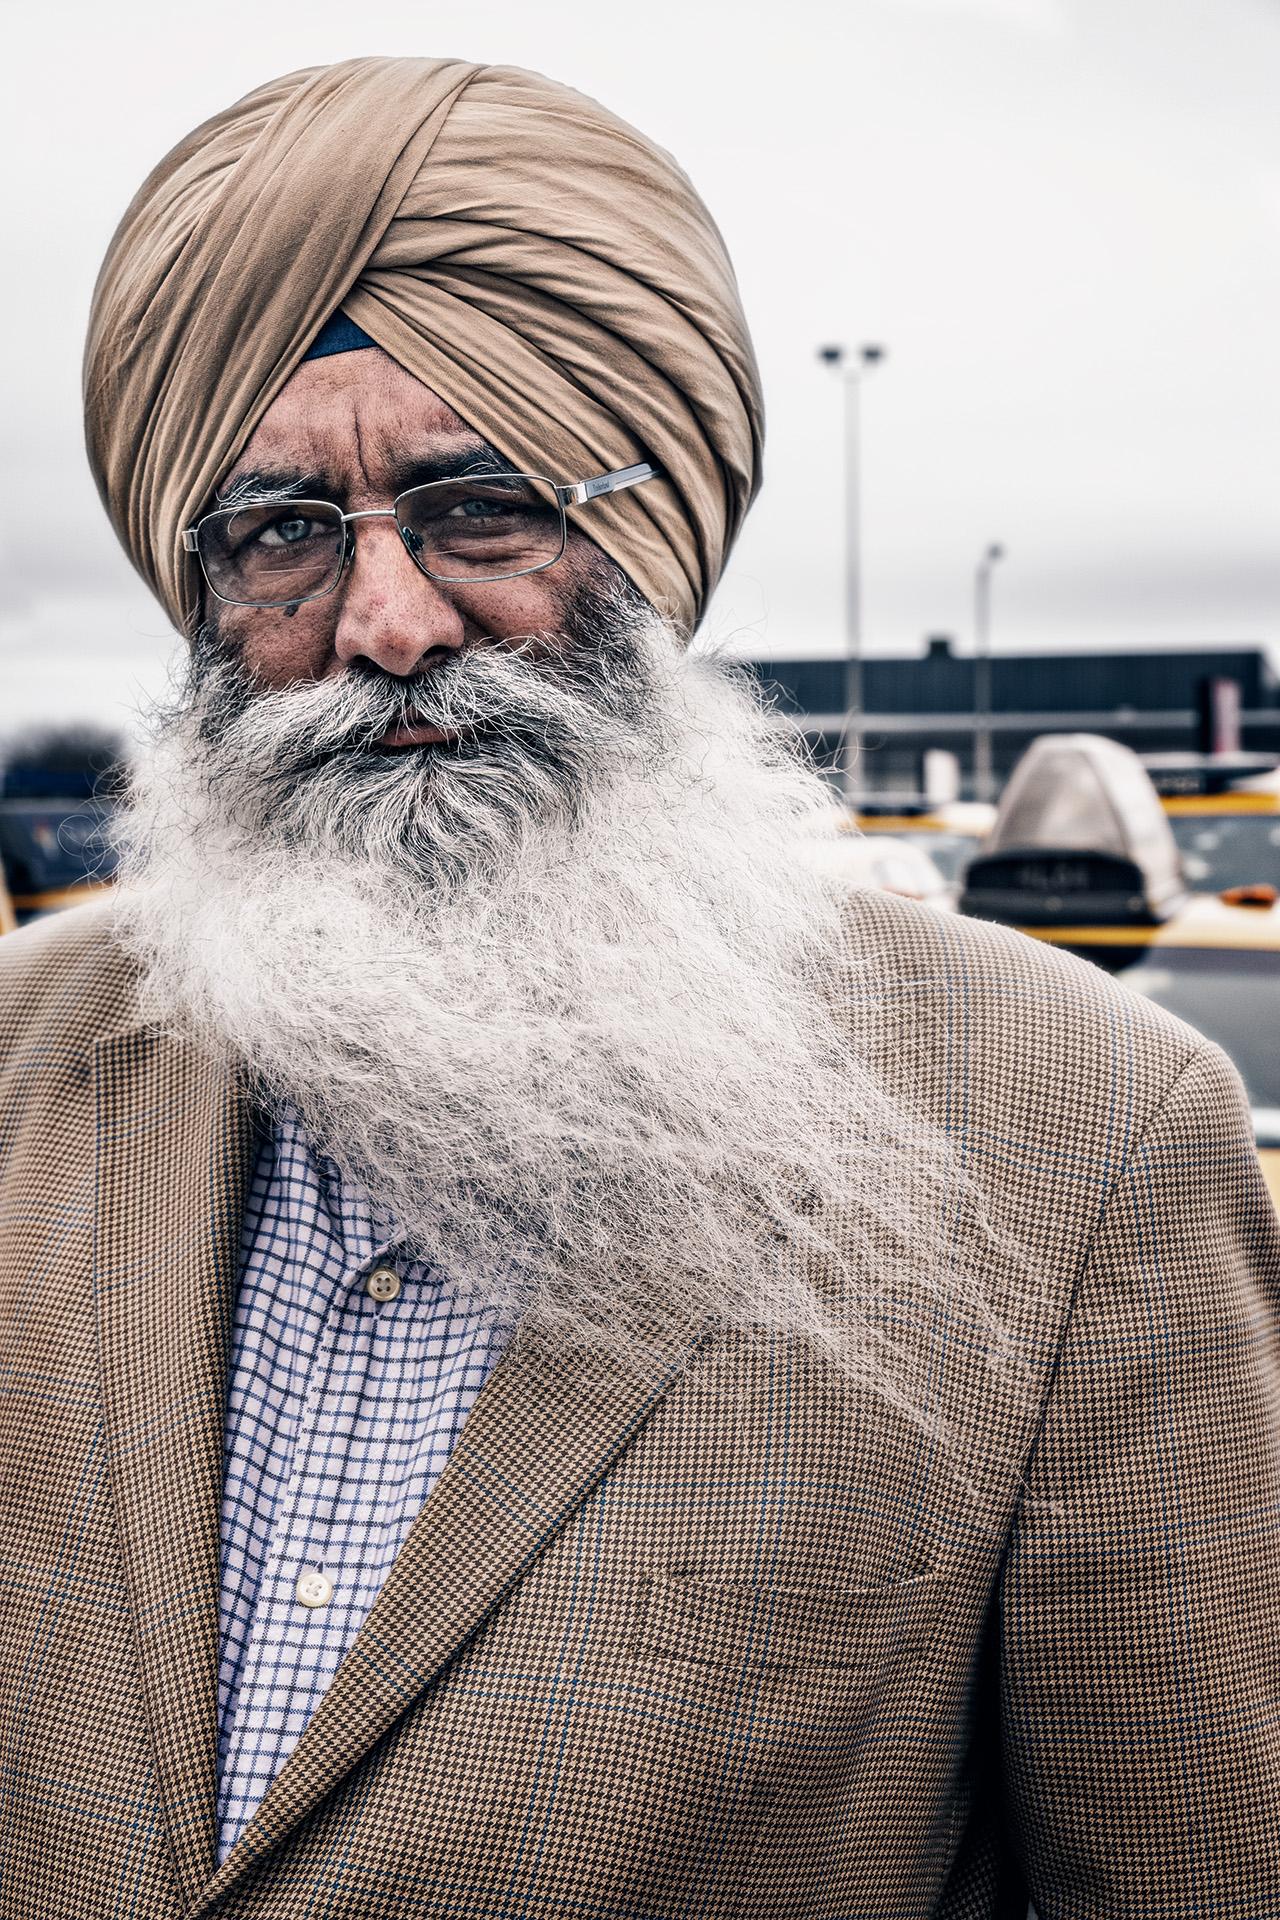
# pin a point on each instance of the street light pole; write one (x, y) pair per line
(983, 780)
(852, 369)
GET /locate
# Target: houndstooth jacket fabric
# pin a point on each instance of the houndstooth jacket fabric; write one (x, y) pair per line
(733, 1640)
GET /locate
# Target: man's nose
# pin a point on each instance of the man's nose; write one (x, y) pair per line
(389, 611)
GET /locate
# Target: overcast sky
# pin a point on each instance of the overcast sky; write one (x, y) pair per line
(1061, 217)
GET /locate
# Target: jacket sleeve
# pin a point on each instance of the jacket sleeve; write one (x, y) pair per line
(1140, 1599)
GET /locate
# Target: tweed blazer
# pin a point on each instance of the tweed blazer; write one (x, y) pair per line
(730, 1640)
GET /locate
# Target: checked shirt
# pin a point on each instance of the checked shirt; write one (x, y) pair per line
(342, 1410)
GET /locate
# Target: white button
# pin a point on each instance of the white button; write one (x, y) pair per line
(382, 1284)
(313, 1589)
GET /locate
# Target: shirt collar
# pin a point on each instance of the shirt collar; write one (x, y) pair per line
(364, 1229)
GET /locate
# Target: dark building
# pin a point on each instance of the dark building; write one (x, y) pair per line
(1154, 702)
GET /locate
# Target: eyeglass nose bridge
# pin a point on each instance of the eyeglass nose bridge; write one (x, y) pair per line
(413, 541)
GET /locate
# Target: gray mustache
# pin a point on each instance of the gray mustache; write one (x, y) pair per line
(480, 690)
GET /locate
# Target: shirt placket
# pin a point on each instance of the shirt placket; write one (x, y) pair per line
(299, 1630)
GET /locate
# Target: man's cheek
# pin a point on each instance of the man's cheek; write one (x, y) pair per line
(527, 612)
(278, 651)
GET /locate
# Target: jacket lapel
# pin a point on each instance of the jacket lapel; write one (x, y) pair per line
(172, 1145)
(541, 1435)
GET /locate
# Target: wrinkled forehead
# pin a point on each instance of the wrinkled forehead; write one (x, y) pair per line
(350, 423)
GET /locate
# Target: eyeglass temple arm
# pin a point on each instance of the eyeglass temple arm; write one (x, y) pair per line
(580, 491)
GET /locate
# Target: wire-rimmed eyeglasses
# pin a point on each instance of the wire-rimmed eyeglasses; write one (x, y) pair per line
(465, 532)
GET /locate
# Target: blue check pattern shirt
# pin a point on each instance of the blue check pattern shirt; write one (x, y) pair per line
(342, 1409)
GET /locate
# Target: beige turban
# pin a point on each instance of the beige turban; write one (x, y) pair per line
(544, 267)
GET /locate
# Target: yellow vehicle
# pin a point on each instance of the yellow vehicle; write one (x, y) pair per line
(48, 852)
(1229, 839)
(951, 834)
(59, 787)
(1082, 855)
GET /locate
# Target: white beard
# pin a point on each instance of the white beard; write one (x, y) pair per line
(574, 1031)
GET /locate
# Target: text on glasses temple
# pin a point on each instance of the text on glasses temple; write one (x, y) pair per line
(579, 492)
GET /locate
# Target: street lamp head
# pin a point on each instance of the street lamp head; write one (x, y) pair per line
(994, 552)
(835, 355)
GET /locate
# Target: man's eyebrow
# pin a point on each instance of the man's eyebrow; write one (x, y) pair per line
(265, 484)
(272, 483)
(476, 458)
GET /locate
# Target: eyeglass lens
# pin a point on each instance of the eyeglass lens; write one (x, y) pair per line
(482, 529)
(468, 530)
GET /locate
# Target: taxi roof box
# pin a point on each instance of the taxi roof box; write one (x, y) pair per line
(1080, 839)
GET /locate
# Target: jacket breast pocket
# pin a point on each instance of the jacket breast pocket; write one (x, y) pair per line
(760, 1631)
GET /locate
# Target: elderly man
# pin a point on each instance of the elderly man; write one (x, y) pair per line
(554, 1365)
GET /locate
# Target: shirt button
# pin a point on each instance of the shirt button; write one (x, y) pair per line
(313, 1589)
(382, 1284)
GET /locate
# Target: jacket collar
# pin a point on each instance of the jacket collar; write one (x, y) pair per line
(172, 1142)
(173, 1145)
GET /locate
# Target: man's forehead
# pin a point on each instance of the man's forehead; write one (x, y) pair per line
(354, 419)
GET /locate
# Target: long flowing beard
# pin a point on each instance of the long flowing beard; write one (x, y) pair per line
(562, 999)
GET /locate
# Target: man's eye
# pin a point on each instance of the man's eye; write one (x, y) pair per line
(477, 509)
(287, 533)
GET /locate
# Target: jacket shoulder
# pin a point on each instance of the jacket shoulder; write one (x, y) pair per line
(992, 1019)
(64, 981)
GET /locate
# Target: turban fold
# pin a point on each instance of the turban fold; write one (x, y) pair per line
(547, 270)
